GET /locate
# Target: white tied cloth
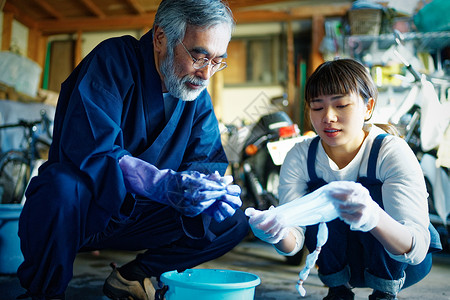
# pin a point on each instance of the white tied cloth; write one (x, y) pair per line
(347, 200)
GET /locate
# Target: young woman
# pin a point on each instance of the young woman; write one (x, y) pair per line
(381, 240)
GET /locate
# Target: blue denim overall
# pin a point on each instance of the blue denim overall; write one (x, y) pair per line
(356, 257)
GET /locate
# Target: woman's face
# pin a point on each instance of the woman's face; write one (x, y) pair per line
(339, 120)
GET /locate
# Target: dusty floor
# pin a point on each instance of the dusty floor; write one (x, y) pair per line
(277, 278)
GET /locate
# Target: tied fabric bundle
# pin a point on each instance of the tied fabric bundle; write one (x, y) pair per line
(189, 192)
(322, 237)
(347, 200)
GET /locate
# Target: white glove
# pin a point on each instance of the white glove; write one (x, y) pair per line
(266, 225)
(354, 205)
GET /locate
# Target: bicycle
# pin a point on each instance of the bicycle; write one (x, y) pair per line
(17, 165)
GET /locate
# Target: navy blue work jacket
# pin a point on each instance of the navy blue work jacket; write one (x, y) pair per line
(112, 105)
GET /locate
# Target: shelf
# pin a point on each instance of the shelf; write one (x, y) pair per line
(423, 41)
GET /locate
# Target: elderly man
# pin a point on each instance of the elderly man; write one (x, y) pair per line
(136, 161)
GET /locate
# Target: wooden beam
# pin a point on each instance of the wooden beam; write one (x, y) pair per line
(37, 49)
(296, 13)
(215, 89)
(290, 69)
(19, 15)
(33, 41)
(145, 20)
(95, 24)
(136, 5)
(261, 16)
(328, 10)
(77, 56)
(49, 9)
(318, 33)
(7, 30)
(41, 56)
(236, 4)
(41, 51)
(93, 8)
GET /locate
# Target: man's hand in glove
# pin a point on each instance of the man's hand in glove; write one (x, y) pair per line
(354, 204)
(189, 192)
(227, 204)
(266, 226)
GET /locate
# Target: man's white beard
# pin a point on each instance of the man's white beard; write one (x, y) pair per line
(177, 86)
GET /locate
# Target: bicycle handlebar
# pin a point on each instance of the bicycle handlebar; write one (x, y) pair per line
(21, 123)
(44, 121)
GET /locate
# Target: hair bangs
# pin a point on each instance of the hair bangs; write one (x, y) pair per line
(330, 82)
(340, 77)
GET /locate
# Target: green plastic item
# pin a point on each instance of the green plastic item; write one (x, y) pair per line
(431, 17)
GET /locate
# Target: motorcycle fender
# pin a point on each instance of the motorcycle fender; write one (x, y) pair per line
(279, 149)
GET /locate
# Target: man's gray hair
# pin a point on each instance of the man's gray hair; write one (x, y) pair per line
(173, 16)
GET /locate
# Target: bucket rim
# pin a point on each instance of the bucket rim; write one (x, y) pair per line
(209, 286)
(10, 211)
(10, 206)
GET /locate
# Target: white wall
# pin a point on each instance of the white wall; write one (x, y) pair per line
(264, 29)
(92, 39)
(247, 103)
(19, 36)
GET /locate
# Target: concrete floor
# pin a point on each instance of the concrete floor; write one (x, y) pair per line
(277, 278)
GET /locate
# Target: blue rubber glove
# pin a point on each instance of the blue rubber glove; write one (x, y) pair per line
(227, 204)
(190, 192)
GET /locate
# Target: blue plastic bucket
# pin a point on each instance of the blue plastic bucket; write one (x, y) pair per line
(209, 284)
(10, 254)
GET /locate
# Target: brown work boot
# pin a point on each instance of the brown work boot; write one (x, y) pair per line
(118, 288)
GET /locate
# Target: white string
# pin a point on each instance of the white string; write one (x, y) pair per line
(314, 208)
(322, 236)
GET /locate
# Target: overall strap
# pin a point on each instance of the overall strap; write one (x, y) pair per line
(373, 156)
(311, 160)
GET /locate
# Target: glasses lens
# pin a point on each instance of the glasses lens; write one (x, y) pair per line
(220, 66)
(201, 63)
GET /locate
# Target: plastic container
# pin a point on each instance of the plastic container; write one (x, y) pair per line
(10, 254)
(209, 284)
(365, 21)
(433, 17)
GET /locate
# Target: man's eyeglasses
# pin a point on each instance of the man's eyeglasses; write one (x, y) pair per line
(203, 62)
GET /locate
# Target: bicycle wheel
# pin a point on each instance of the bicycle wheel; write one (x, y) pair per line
(14, 176)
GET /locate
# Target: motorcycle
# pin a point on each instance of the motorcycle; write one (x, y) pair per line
(256, 153)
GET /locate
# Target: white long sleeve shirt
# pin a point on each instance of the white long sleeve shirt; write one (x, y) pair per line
(404, 191)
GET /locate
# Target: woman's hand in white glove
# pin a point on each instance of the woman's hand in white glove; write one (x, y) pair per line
(266, 225)
(355, 205)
